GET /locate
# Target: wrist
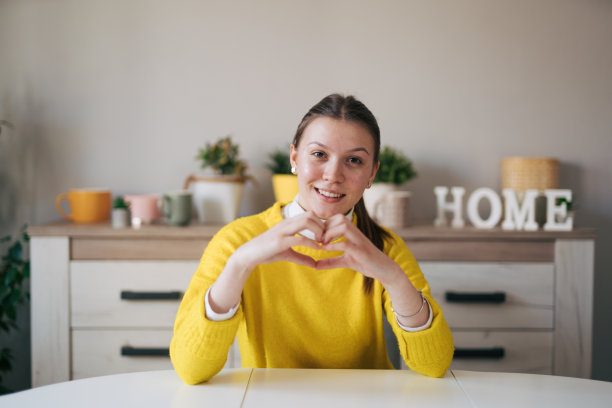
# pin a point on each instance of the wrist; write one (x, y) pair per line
(239, 266)
(394, 279)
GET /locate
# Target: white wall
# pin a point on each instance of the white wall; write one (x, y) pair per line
(121, 93)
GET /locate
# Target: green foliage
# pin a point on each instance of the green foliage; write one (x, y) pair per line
(119, 202)
(279, 162)
(14, 271)
(394, 167)
(568, 204)
(5, 123)
(223, 156)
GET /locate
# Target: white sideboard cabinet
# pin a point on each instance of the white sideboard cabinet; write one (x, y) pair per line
(103, 300)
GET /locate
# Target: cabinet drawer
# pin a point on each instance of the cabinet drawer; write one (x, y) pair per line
(527, 290)
(103, 352)
(523, 352)
(97, 288)
(98, 352)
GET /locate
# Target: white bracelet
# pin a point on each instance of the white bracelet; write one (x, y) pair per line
(414, 314)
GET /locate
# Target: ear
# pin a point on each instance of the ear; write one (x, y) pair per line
(293, 155)
(374, 171)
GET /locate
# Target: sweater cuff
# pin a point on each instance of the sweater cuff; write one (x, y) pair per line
(214, 316)
(417, 329)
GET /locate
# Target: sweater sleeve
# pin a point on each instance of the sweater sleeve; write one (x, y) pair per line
(430, 351)
(199, 346)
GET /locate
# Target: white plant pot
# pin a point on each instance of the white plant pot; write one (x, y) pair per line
(373, 195)
(120, 218)
(217, 199)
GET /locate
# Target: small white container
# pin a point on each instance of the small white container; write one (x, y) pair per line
(120, 218)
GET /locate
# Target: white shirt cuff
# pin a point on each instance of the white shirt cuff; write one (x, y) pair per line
(218, 317)
(416, 329)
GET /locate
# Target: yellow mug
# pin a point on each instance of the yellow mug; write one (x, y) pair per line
(86, 205)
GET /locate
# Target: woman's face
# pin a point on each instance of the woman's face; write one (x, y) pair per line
(334, 164)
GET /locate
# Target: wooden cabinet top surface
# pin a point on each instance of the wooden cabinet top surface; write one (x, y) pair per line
(419, 232)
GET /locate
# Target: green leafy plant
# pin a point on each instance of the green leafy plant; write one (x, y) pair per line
(14, 271)
(223, 157)
(119, 202)
(6, 124)
(279, 162)
(394, 167)
(568, 204)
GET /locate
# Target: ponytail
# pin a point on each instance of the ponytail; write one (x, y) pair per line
(373, 232)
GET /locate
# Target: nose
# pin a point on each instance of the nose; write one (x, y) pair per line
(333, 172)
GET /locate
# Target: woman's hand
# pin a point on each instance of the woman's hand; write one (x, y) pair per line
(360, 253)
(271, 246)
(275, 244)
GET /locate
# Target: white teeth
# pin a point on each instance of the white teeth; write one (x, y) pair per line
(329, 194)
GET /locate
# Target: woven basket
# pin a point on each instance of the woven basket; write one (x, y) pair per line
(525, 173)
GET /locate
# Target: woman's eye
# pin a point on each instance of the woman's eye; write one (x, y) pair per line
(355, 160)
(318, 154)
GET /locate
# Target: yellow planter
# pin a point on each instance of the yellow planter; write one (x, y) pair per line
(285, 187)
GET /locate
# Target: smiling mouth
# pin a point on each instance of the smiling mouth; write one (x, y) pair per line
(329, 194)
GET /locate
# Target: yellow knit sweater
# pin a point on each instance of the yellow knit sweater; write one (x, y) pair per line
(295, 316)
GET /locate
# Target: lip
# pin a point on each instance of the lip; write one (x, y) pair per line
(326, 198)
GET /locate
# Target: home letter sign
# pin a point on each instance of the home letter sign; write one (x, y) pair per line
(496, 208)
(523, 217)
(454, 207)
(517, 216)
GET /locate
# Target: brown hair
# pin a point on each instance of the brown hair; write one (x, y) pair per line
(350, 109)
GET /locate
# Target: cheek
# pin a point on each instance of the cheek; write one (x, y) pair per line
(307, 173)
(360, 180)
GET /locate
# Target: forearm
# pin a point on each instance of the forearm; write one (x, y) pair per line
(199, 346)
(226, 291)
(410, 307)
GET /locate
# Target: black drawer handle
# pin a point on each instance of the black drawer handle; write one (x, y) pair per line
(494, 353)
(144, 351)
(495, 297)
(129, 295)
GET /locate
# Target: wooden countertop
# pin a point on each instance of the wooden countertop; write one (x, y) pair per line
(418, 232)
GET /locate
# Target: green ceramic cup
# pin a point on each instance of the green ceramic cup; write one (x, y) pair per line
(176, 207)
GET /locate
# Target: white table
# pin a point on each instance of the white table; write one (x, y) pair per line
(246, 387)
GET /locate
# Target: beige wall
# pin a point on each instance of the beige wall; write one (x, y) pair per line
(121, 94)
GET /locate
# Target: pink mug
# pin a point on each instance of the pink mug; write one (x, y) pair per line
(143, 208)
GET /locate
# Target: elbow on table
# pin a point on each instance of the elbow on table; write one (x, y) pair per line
(193, 376)
(439, 368)
(193, 370)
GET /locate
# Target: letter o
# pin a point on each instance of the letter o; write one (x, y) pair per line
(496, 208)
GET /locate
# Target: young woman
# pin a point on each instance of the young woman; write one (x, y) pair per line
(306, 283)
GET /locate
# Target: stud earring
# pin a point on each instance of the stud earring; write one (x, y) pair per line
(293, 170)
(369, 184)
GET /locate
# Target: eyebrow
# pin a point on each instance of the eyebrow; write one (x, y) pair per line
(357, 149)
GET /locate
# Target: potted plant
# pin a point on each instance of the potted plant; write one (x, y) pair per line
(284, 183)
(14, 271)
(120, 215)
(395, 170)
(217, 191)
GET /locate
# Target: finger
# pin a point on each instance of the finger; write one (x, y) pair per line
(299, 240)
(335, 246)
(337, 219)
(301, 259)
(332, 263)
(348, 231)
(308, 221)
